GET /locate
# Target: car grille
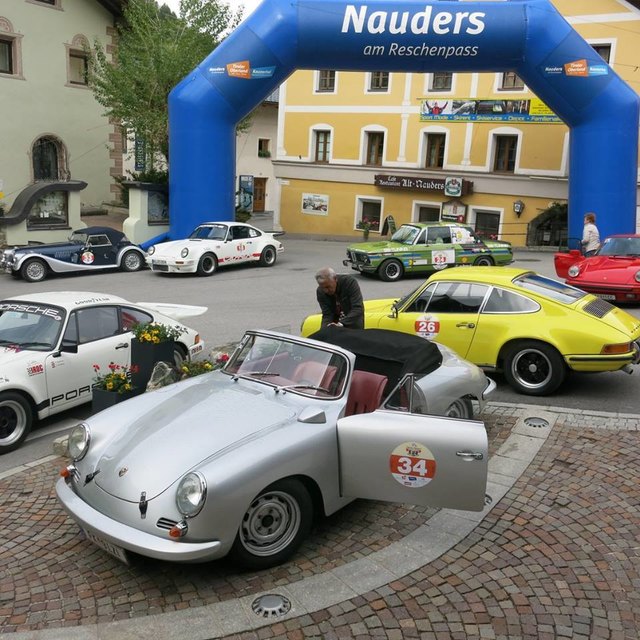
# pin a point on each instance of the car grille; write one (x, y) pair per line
(598, 308)
(357, 257)
(165, 523)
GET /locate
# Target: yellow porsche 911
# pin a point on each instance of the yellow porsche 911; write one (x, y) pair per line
(532, 328)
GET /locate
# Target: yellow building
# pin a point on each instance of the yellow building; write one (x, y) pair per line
(355, 145)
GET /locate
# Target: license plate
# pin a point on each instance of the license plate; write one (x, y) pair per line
(157, 266)
(606, 296)
(105, 545)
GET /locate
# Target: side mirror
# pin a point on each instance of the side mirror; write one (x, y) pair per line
(69, 347)
(394, 312)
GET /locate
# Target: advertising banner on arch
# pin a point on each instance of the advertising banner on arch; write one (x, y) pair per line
(487, 110)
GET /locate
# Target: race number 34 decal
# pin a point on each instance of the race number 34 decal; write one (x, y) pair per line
(412, 464)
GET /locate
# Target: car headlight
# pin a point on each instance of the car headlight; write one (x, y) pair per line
(151, 250)
(191, 494)
(184, 253)
(637, 276)
(574, 270)
(78, 442)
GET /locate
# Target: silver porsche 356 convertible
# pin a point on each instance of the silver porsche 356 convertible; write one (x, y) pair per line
(239, 461)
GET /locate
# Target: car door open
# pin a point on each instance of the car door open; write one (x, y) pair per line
(415, 459)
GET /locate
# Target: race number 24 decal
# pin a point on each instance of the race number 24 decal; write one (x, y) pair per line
(412, 464)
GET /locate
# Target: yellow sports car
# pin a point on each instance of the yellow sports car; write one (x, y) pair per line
(532, 328)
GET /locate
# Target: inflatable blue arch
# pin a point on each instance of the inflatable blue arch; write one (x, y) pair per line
(529, 37)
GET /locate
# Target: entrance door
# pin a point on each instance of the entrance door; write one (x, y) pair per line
(259, 193)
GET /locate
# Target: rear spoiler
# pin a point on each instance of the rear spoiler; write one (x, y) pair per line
(175, 311)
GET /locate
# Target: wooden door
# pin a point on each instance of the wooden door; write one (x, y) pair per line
(259, 192)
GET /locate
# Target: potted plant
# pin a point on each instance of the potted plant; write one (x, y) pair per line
(191, 368)
(366, 225)
(112, 386)
(152, 342)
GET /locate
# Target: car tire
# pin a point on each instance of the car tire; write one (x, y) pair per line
(534, 368)
(16, 419)
(484, 261)
(391, 270)
(180, 354)
(131, 261)
(34, 270)
(274, 525)
(268, 256)
(207, 265)
(461, 408)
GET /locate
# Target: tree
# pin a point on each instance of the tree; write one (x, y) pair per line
(155, 49)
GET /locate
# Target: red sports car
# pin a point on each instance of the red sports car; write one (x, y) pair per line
(613, 273)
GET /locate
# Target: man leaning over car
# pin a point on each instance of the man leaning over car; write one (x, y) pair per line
(340, 299)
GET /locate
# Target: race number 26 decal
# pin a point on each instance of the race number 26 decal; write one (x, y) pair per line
(412, 464)
(427, 326)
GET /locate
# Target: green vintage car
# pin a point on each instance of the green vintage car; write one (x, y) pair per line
(424, 248)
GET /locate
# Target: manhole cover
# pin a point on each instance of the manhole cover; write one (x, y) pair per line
(536, 423)
(271, 605)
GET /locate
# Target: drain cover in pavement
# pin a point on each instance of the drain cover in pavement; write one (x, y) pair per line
(271, 605)
(537, 423)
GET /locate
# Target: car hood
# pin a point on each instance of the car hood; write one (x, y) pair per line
(182, 430)
(47, 248)
(381, 245)
(379, 306)
(13, 362)
(609, 269)
(174, 247)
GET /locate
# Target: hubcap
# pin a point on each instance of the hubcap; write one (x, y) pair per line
(531, 369)
(270, 524)
(132, 261)
(35, 270)
(12, 421)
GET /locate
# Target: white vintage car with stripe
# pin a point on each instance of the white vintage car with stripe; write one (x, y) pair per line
(213, 245)
(50, 342)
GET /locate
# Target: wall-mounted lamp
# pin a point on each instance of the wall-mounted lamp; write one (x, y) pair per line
(518, 207)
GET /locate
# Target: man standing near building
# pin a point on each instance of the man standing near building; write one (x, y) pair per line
(340, 299)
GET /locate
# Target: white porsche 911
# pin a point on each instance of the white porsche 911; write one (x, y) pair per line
(50, 342)
(213, 245)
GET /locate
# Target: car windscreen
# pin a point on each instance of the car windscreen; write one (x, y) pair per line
(405, 234)
(620, 247)
(296, 367)
(29, 326)
(549, 288)
(210, 232)
(78, 238)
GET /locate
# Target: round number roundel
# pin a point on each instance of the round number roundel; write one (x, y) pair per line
(412, 464)
(427, 326)
(87, 257)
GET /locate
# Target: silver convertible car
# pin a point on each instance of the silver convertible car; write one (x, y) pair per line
(240, 460)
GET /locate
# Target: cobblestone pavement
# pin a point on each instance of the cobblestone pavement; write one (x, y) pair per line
(556, 557)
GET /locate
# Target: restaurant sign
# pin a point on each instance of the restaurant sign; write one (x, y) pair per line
(451, 186)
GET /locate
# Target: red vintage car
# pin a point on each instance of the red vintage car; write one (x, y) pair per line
(613, 273)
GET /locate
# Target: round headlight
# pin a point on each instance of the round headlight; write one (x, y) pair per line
(78, 442)
(574, 270)
(191, 494)
(637, 276)
(184, 253)
(151, 250)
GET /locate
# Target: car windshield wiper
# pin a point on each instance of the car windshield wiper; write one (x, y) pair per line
(26, 345)
(259, 373)
(302, 386)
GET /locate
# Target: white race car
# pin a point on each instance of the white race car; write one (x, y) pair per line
(50, 342)
(213, 245)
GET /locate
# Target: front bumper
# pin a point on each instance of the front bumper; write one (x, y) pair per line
(165, 265)
(132, 539)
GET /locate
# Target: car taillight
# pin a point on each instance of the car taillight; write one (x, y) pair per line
(615, 349)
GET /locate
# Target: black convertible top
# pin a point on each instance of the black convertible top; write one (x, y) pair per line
(115, 236)
(390, 353)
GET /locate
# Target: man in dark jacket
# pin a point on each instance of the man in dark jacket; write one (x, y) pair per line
(340, 299)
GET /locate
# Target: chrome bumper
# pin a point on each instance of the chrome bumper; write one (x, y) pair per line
(129, 538)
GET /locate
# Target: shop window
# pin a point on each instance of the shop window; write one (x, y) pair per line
(379, 81)
(375, 148)
(435, 150)
(505, 154)
(322, 146)
(511, 81)
(49, 211)
(326, 81)
(428, 214)
(370, 210)
(487, 225)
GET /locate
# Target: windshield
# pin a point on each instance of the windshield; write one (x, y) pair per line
(288, 365)
(210, 232)
(406, 234)
(549, 288)
(29, 326)
(78, 238)
(620, 247)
